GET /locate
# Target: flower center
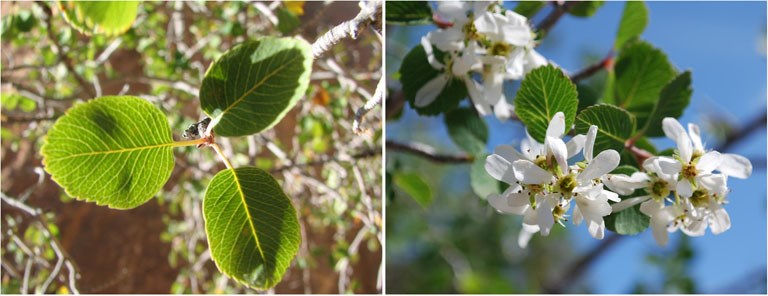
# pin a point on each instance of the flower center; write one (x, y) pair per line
(565, 185)
(500, 49)
(700, 198)
(559, 213)
(688, 171)
(659, 189)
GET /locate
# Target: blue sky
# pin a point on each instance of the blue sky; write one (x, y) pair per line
(723, 43)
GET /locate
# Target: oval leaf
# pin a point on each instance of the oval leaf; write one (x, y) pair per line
(614, 126)
(544, 92)
(408, 13)
(251, 225)
(253, 85)
(413, 185)
(672, 102)
(115, 151)
(100, 17)
(467, 130)
(633, 22)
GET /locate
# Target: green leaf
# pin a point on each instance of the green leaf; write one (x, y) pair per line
(482, 183)
(287, 21)
(251, 226)
(633, 22)
(544, 92)
(467, 130)
(114, 151)
(641, 72)
(624, 169)
(413, 185)
(587, 96)
(416, 71)
(672, 102)
(11, 101)
(614, 126)
(529, 8)
(102, 17)
(408, 13)
(253, 85)
(585, 8)
(629, 221)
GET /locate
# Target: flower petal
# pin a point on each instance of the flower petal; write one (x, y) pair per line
(684, 188)
(589, 143)
(684, 147)
(659, 224)
(651, 207)
(672, 128)
(668, 166)
(719, 222)
(502, 109)
(708, 162)
(475, 90)
(693, 131)
(500, 168)
(426, 43)
(429, 92)
(577, 216)
(628, 203)
(544, 216)
(529, 173)
(575, 145)
(507, 204)
(625, 185)
(558, 149)
(604, 163)
(556, 127)
(596, 227)
(695, 228)
(735, 165)
(525, 234)
(715, 183)
(533, 60)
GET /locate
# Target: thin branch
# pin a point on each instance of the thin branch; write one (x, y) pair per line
(370, 104)
(10, 118)
(326, 159)
(605, 63)
(427, 152)
(559, 10)
(369, 10)
(750, 127)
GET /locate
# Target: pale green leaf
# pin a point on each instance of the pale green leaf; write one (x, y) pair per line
(252, 229)
(482, 183)
(413, 185)
(672, 102)
(641, 72)
(544, 92)
(253, 85)
(467, 130)
(633, 22)
(114, 151)
(408, 12)
(100, 17)
(614, 126)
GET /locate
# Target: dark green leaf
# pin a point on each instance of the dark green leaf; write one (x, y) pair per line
(587, 96)
(415, 72)
(529, 8)
(287, 21)
(624, 169)
(641, 72)
(544, 92)
(413, 185)
(251, 226)
(629, 221)
(672, 102)
(253, 85)
(467, 130)
(614, 126)
(585, 8)
(408, 12)
(115, 151)
(633, 22)
(100, 17)
(482, 183)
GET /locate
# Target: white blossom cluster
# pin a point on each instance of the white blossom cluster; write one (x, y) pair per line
(480, 38)
(543, 186)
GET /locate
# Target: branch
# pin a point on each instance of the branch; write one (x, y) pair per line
(605, 63)
(370, 104)
(427, 152)
(736, 136)
(369, 10)
(326, 159)
(10, 118)
(560, 9)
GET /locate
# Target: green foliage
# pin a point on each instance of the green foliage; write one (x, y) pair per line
(482, 183)
(108, 17)
(416, 71)
(673, 100)
(641, 73)
(252, 227)
(467, 130)
(614, 126)
(585, 8)
(629, 221)
(254, 84)
(114, 151)
(408, 12)
(11, 101)
(529, 8)
(15, 24)
(633, 22)
(544, 92)
(287, 21)
(413, 185)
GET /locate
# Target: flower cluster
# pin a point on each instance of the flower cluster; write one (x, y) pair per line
(479, 38)
(698, 194)
(543, 186)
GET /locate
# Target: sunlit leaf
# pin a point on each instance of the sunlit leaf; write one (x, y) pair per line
(633, 22)
(251, 225)
(408, 12)
(544, 92)
(413, 185)
(614, 126)
(674, 97)
(114, 151)
(100, 17)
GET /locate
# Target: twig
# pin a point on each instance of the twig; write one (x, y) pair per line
(370, 104)
(605, 63)
(365, 154)
(368, 12)
(559, 10)
(60, 50)
(738, 135)
(427, 152)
